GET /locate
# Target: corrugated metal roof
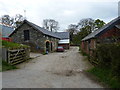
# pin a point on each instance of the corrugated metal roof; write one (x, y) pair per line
(63, 35)
(64, 41)
(106, 27)
(5, 30)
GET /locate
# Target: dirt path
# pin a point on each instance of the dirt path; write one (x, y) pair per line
(55, 70)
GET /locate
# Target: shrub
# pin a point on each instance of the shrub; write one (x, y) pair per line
(109, 56)
(103, 55)
(104, 76)
(94, 57)
(108, 67)
(115, 56)
(12, 45)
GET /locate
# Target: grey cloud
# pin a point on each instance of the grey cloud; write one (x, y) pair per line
(64, 11)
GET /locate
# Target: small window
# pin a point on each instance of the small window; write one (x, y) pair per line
(26, 35)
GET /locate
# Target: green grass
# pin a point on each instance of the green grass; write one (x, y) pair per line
(12, 45)
(5, 66)
(104, 75)
(83, 53)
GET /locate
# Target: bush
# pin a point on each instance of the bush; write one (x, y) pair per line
(107, 68)
(109, 56)
(115, 57)
(12, 45)
(103, 55)
(104, 76)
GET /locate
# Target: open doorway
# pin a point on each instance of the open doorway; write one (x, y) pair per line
(47, 46)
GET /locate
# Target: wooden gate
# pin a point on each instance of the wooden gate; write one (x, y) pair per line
(17, 56)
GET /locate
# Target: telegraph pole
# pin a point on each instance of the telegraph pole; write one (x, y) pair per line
(25, 14)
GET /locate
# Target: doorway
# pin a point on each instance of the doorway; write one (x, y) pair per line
(47, 46)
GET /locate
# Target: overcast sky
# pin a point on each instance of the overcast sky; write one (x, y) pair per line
(64, 11)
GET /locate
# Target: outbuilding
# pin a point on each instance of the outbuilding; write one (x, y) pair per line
(5, 32)
(109, 33)
(38, 38)
(64, 39)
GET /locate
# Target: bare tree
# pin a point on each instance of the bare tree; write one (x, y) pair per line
(18, 19)
(51, 25)
(72, 29)
(87, 23)
(12, 21)
(7, 20)
(45, 24)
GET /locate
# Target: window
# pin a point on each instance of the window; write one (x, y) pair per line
(26, 35)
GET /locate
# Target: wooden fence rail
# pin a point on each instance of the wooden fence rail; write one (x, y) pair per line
(15, 56)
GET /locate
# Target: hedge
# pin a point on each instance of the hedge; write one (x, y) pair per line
(12, 45)
(108, 55)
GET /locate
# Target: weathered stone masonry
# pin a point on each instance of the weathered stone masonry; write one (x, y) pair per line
(37, 40)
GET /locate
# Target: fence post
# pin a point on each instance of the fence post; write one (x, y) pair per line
(4, 54)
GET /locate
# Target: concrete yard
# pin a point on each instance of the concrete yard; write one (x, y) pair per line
(55, 70)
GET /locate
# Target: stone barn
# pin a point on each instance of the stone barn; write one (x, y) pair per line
(109, 33)
(39, 39)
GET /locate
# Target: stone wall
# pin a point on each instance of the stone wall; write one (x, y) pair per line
(37, 40)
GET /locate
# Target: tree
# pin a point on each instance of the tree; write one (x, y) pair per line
(72, 29)
(46, 24)
(18, 19)
(79, 36)
(87, 23)
(99, 23)
(12, 21)
(7, 20)
(51, 25)
(86, 26)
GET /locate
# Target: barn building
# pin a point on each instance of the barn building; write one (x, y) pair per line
(39, 39)
(109, 33)
(64, 39)
(5, 32)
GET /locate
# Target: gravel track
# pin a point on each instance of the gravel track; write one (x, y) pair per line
(55, 70)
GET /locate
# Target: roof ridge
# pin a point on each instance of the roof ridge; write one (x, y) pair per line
(45, 31)
(96, 32)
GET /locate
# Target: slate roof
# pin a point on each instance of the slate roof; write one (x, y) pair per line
(63, 35)
(44, 31)
(5, 30)
(118, 26)
(103, 29)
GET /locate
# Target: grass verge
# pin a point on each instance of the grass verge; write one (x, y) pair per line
(5, 66)
(104, 76)
(12, 45)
